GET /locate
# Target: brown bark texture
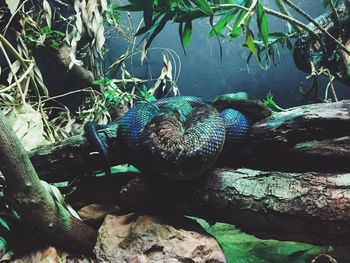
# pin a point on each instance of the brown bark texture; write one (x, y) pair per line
(310, 207)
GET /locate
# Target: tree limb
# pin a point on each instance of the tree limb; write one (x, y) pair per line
(32, 202)
(315, 137)
(306, 207)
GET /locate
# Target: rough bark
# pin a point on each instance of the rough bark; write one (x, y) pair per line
(308, 207)
(27, 195)
(307, 138)
(64, 160)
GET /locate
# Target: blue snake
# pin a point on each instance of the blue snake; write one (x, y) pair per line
(181, 137)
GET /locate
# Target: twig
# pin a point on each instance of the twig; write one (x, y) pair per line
(68, 93)
(249, 13)
(291, 20)
(12, 16)
(29, 69)
(269, 11)
(14, 52)
(310, 19)
(331, 84)
(281, 6)
(13, 72)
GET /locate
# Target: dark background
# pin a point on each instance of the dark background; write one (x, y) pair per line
(204, 74)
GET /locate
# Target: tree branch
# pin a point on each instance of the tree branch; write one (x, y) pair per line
(277, 142)
(310, 19)
(306, 207)
(32, 202)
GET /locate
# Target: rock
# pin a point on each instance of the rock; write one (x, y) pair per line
(144, 239)
(49, 255)
(95, 213)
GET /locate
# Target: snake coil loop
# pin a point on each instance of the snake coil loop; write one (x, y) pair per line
(182, 137)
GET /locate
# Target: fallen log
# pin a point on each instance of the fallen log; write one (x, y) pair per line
(312, 137)
(310, 206)
(306, 207)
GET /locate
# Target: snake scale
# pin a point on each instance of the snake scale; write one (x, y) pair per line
(181, 137)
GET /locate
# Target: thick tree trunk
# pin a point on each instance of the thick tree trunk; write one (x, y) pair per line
(307, 207)
(26, 194)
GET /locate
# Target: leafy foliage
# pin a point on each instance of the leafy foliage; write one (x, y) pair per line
(44, 36)
(271, 103)
(112, 93)
(329, 2)
(239, 247)
(235, 20)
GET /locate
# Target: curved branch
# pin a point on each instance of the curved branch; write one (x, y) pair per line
(310, 19)
(32, 202)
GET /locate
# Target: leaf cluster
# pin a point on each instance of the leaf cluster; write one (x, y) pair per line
(234, 20)
(43, 36)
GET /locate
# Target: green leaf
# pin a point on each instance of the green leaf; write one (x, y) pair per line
(262, 24)
(187, 33)
(249, 40)
(4, 224)
(181, 36)
(130, 8)
(159, 28)
(247, 248)
(3, 246)
(222, 23)
(146, 29)
(217, 37)
(204, 6)
(236, 30)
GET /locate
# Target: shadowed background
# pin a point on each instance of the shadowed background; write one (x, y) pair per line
(204, 74)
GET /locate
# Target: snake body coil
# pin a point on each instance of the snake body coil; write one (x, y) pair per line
(182, 137)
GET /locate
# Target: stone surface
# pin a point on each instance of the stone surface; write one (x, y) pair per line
(95, 213)
(50, 255)
(144, 239)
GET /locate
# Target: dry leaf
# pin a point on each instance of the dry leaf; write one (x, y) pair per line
(15, 66)
(48, 11)
(12, 5)
(28, 126)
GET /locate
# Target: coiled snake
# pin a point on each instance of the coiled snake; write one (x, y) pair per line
(181, 137)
